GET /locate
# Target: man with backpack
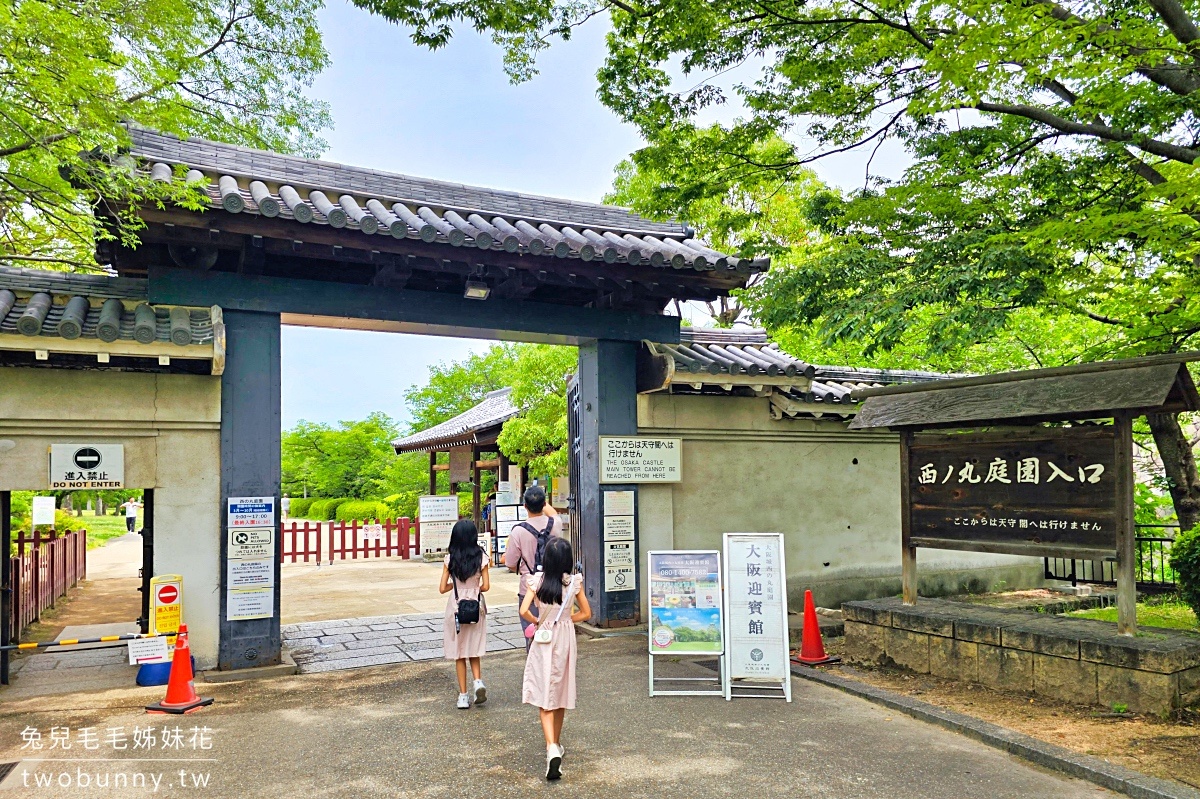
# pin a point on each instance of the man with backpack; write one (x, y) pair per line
(527, 542)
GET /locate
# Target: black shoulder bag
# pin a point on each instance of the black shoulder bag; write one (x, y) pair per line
(468, 609)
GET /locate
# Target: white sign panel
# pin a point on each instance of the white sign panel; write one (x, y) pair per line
(253, 542)
(251, 512)
(86, 466)
(435, 536)
(756, 607)
(372, 532)
(250, 603)
(618, 528)
(620, 578)
(437, 509)
(148, 650)
(618, 503)
(251, 573)
(618, 553)
(634, 459)
(43, 510)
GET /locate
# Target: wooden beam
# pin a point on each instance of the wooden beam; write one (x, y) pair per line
(559, 323)
(494, 463)
(476, 510)
(1126, 531)
(440, 467)
(433, 464)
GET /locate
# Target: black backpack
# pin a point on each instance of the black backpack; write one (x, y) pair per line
(542, 536)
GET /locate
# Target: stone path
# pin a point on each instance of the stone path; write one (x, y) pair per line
(379, 640)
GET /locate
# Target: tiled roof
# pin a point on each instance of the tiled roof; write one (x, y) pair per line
(46, 305)
(731, 352)
(376, 203)
(464, 429)
(717, 357)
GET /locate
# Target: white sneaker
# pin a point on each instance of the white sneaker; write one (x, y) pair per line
(480, 692)
(464, 701)
(553, 762)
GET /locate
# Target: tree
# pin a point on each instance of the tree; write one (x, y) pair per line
(537, 438)
(76, 73)
(750, 216)
(457, 387)
(352, 460)
(1054, 152)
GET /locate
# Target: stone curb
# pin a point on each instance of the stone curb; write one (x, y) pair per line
(1047, 755)
(285, 669)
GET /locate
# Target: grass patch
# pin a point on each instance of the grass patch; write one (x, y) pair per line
(1164, 613)
(102, 529)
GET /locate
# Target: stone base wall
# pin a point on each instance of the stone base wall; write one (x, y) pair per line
(1074, 660)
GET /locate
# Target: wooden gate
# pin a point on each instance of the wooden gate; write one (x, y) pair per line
(314, 542)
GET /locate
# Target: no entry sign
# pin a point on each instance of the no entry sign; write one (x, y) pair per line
(166, 611)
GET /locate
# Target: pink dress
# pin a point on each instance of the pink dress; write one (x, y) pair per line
(550, 668)
(471, 639)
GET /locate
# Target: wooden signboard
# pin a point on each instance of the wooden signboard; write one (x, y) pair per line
(460, 465)
(1048, 491)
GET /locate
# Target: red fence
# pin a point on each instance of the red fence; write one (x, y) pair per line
(43, 569)
(314, 542)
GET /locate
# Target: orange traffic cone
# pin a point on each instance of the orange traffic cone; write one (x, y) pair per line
(181, 688)
(812, 650)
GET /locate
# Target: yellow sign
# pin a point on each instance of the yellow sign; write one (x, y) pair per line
(166, 603)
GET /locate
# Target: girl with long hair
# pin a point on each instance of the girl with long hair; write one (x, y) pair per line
(549, 683)
(465, 573)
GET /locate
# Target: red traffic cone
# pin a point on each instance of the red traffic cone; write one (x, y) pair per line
(181, 688)
(812, 650)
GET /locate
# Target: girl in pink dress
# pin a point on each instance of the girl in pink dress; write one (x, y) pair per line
(549, 681)
(465, 576)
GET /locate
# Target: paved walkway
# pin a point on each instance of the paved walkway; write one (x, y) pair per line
(379, 640)
(393, 732)
(350, 589)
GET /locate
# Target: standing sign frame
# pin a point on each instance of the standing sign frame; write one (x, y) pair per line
(714, 600)
(741, 684)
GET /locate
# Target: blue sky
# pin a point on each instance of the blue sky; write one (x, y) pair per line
(450, 115)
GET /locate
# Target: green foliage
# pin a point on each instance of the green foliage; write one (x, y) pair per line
(537, 437)
(1120, 707)
(63, 522)
(453, 388)
(75, 73)
(325, 510)
(362, 509)
(351, 460)
(1185, 560)
(300, 506)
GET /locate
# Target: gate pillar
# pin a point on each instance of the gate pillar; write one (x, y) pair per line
(250, 466)
(607, 407)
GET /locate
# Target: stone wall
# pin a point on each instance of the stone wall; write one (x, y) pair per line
(1074, 660)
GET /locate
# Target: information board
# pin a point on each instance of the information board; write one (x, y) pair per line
(253, 542)
(685, 602)
(86, 466)
(1053, 490)
(251, 512)
(250, 603)
(756, 608)
(437, 516)
(635, 459)
(43, 511)
(166, 607)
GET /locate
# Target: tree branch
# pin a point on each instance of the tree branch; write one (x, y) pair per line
(1177, 20)
(1174, 152)
(42, 142)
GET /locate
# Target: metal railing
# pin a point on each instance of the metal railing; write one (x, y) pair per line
(1153, 568)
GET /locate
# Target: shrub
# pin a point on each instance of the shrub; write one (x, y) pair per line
(300, 507)
(362, 509)
(1185, 560)
(325, 509)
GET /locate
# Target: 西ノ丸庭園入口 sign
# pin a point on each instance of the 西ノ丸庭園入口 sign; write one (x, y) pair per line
(1051, 489)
